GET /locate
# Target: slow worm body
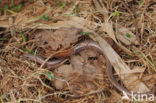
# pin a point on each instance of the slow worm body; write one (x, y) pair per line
(78, 48)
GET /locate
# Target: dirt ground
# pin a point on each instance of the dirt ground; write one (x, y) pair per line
(52, 28)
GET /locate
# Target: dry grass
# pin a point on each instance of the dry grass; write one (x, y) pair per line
(23, 81)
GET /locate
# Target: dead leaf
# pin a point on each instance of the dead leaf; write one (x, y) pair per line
(81, 76)
(61, 38)
(136, 69)
(63, 74)
(107, 25)
(77, 62)
(119, 66)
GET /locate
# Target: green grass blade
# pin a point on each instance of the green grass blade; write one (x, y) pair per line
(86, 33)
(63, 5)
(3, 39)
(25, 49)
(128, 35)
(23, 36)
(76, 9)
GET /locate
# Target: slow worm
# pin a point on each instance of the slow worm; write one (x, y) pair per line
(78, 48)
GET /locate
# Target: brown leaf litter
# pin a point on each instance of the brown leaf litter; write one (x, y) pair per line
(82, 75)
(59, 40)
(25, 81)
